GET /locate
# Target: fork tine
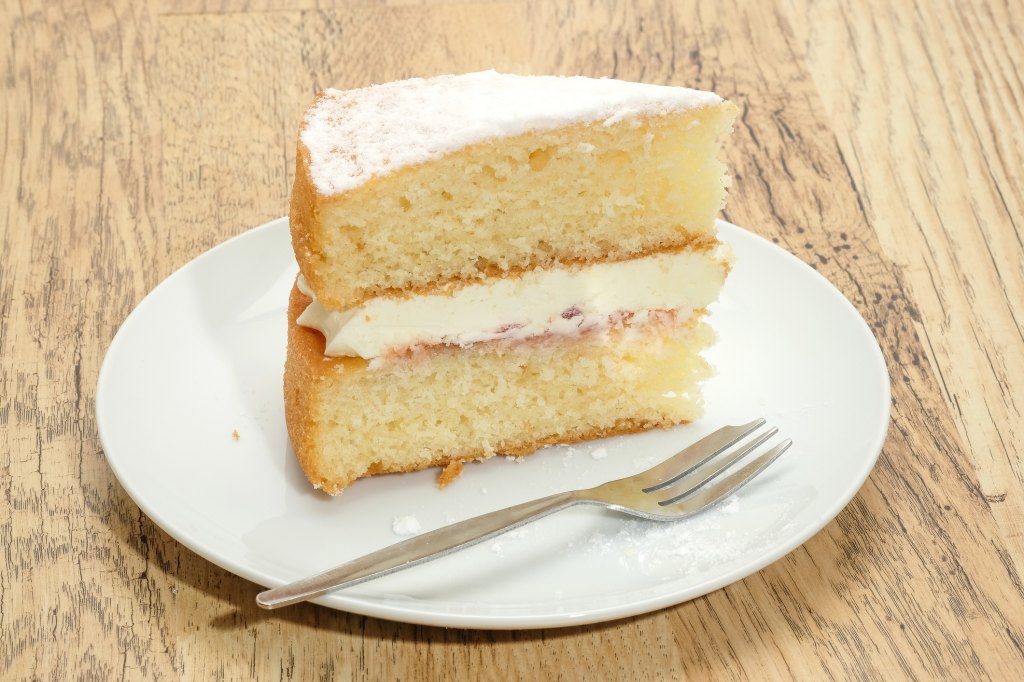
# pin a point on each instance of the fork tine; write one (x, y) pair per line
(713, 467)
(682, 463)
(697, 499)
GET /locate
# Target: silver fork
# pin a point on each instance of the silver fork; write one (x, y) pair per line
(678, 487)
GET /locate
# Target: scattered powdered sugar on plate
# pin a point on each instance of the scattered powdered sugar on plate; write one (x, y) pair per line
(688, 545)
(405, 525)
(645, 462)
(498, 546)
(599, 453)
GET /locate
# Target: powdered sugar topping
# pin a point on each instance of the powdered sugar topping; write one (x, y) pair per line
(355, 135)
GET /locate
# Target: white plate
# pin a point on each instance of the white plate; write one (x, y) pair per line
(202, 357)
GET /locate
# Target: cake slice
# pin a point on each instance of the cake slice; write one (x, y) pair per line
(492, 263)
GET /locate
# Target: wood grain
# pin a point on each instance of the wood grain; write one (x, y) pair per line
(879, 142)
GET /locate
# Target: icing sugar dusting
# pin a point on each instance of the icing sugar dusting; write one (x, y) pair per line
(498, 546)
(680, 547)
(354, 135)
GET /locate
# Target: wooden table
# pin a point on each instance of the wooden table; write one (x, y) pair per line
(879, 142)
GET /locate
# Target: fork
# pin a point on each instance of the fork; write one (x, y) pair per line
(678, 487)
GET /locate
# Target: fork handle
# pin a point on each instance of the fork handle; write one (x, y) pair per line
(415, 550)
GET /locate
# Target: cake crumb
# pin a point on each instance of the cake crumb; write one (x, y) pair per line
(405, 525)
(449, 473)
(599, 453)
(234, 435)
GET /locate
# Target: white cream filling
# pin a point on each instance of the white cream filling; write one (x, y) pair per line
(564, 301)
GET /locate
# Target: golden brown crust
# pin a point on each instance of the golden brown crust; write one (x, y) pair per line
(305, 364)
(298, 379)
(449, 473)
(303, 213)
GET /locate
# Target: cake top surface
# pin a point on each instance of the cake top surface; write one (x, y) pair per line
(355, 135)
